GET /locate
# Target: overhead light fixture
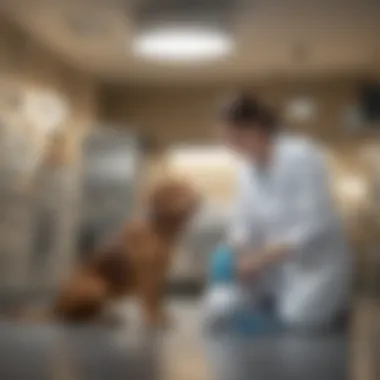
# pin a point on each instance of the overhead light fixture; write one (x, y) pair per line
(182, 43)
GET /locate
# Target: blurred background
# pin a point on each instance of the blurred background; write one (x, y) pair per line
(98, 99)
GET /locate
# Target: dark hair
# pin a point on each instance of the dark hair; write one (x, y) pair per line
(245, 111)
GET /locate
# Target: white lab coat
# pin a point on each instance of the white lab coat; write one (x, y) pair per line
(291, 203)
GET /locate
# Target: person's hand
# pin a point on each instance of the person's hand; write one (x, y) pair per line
(248, 267)
(253, 263)
(277, 253)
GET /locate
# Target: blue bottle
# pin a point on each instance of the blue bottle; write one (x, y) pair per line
(244, 321)
(224, 296)
(222, 268)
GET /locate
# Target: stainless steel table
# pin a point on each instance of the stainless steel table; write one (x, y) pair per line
(286, 357)
(52, 352)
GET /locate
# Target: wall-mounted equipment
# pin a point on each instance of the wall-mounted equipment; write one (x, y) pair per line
(369, 103)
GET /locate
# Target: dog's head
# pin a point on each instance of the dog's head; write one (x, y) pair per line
(173, 203)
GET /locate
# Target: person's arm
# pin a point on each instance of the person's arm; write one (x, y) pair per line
(238, 234)
(241, 229)
(310, 217)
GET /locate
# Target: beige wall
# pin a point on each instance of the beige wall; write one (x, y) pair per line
(189, 113)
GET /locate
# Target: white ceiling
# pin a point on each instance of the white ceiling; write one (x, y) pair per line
(279, 38)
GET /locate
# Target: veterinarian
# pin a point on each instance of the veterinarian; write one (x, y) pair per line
(290, 247)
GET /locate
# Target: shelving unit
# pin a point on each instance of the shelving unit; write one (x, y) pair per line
(111, 163)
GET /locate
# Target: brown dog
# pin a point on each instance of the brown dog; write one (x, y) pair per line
(135, 263)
